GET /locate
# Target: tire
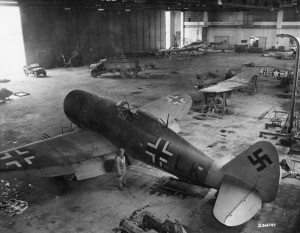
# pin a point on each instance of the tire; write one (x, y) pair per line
(45, 74)
(134, 75)
(26, 73)
(35, 74)
(74, 62)
(94, 73)
(124, 73)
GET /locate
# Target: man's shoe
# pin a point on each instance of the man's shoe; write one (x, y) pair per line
(121, 189)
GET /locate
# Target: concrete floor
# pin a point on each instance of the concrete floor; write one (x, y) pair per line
(96, 205)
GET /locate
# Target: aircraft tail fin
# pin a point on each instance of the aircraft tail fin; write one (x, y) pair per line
(259, 167)
(250, 179)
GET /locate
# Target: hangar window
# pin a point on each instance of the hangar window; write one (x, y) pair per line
(12, 57)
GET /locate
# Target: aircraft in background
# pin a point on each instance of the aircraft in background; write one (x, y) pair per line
(149, 134)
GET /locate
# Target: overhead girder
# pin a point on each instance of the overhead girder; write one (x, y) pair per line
(177, 5)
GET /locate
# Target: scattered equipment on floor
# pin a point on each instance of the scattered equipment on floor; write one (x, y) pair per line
(215, 100)
(145, 221)
(4, 94)
(206, 79)
(289, 134)
(13, 207)
(66, 61)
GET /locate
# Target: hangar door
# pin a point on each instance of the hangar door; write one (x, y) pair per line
(222, 39)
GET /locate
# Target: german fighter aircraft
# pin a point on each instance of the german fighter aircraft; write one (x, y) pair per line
(149, 134)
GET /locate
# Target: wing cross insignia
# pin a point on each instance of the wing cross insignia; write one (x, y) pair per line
(20, 156)
(175, 99)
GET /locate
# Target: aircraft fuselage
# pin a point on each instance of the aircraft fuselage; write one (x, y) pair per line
(144, 137)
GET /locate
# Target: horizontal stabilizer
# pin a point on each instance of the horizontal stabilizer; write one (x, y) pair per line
(237, 202)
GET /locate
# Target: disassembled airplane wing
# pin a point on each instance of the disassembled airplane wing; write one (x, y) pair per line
(83, 153)
(250, 179)
(170, 108)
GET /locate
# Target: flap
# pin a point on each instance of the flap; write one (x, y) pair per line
(176, 106)
(237, 202)
(91, 168)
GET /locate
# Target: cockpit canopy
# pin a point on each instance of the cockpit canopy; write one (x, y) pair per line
(140, 118)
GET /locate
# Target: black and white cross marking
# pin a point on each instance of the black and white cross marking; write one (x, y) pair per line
(159, 152)
(260, 160)
(7, 156)
(176, 99)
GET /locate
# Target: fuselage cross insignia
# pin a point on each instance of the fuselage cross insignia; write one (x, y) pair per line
(260, 160)
(175, 99)
(159, 151)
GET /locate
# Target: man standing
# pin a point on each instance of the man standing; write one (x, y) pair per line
(120, 167)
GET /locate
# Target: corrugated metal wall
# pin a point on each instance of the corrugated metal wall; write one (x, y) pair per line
(96, 34)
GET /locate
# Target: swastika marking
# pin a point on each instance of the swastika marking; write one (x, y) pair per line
(159, 152)
(176, 100)
(260, 160)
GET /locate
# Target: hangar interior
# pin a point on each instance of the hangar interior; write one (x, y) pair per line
(164, 47)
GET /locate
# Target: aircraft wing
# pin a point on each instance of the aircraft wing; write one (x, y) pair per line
(173, 106)
(237, 202)
(83, 153)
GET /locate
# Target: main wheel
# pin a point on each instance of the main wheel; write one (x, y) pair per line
(124, 73)
(35, 74)
(74, 62)
(94, 73)
(134, 74)
(26, 73)
(45, 74)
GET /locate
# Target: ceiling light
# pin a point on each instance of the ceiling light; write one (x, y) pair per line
(100, 9)
(219, 2)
